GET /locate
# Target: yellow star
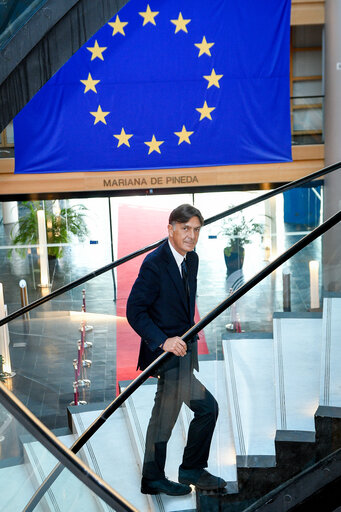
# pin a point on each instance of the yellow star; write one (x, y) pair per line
(118, 26)
(213, 79)
(205, 111)
(123, 138)
(99, 115)
(96, 51)
(154, 145)
(184, 135)
(90, 84)
(180, 24)
(204, 47)
(148, 16)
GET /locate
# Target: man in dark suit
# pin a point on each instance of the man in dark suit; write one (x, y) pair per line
(160, 309)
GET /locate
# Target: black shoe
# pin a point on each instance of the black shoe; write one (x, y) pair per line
(164, 485)
(201, 478)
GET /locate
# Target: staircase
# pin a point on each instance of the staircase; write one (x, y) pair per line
(279, 412)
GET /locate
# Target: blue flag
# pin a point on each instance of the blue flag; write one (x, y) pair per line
(167, 84)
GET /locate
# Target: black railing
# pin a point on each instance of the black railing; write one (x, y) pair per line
(207, 319)
(214, 218)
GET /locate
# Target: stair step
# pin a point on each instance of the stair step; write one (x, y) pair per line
(330, 386)
(109, 453)
(297, 345)
(16, 487)
(249, 364)
(222, 459)
(67, 492)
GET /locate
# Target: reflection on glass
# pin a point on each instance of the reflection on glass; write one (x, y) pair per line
(16, 14)
(25, 463)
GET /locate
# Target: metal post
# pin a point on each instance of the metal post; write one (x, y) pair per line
(84, 322)
(44, 264)
(314, 285)
(286, 291)
(24, 297)
(112, 251)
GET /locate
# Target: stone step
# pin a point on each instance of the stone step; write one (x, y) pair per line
(297, 345)
(16, 487)
(110, 455)
(67, 492)
(249, 364)
(330, 384)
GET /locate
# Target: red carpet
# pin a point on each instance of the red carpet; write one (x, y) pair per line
(137, 227)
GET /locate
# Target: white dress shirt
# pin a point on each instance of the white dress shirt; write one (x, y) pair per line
(178, 257)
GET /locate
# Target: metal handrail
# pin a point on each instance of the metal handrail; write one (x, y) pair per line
(66, 456)
(187, 337)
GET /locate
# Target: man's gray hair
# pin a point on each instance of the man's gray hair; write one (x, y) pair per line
(183, 213)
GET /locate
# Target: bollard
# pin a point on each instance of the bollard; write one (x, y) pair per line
(75, 394)
(237, 324)
(314, 285)
(87, 327)
(4, 339)
(24, 297)
(87, 344)
(286, 291)
(81, 363)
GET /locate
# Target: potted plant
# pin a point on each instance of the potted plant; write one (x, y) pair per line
(238, 232)
(61, 225)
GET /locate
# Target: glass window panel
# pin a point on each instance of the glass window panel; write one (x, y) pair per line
(308, 119)
(307, 63)
(307, 88)
(304, 36)
(308, 100)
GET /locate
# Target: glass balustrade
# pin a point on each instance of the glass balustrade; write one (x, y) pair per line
(44, 343)
(68, 358)
(25, 463)
(61, 355)
(234, 249)
(267, 333)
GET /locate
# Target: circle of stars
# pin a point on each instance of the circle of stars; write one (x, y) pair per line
(149, 17)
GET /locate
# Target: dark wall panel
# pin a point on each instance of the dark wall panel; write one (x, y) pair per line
(43, 45)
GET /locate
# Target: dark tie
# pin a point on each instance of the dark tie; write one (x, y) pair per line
(184, 271)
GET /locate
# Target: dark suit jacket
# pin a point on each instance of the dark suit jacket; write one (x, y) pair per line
(157, 306)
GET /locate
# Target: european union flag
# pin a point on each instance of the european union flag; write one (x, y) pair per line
(167, 84)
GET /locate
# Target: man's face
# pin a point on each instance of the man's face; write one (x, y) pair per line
(184, 235)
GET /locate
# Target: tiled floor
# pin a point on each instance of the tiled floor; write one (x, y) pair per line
(44, 347)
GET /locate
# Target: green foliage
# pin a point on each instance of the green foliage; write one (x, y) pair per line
(239, 231)
(60, 226)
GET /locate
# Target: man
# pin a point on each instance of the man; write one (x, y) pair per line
(160, 309)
